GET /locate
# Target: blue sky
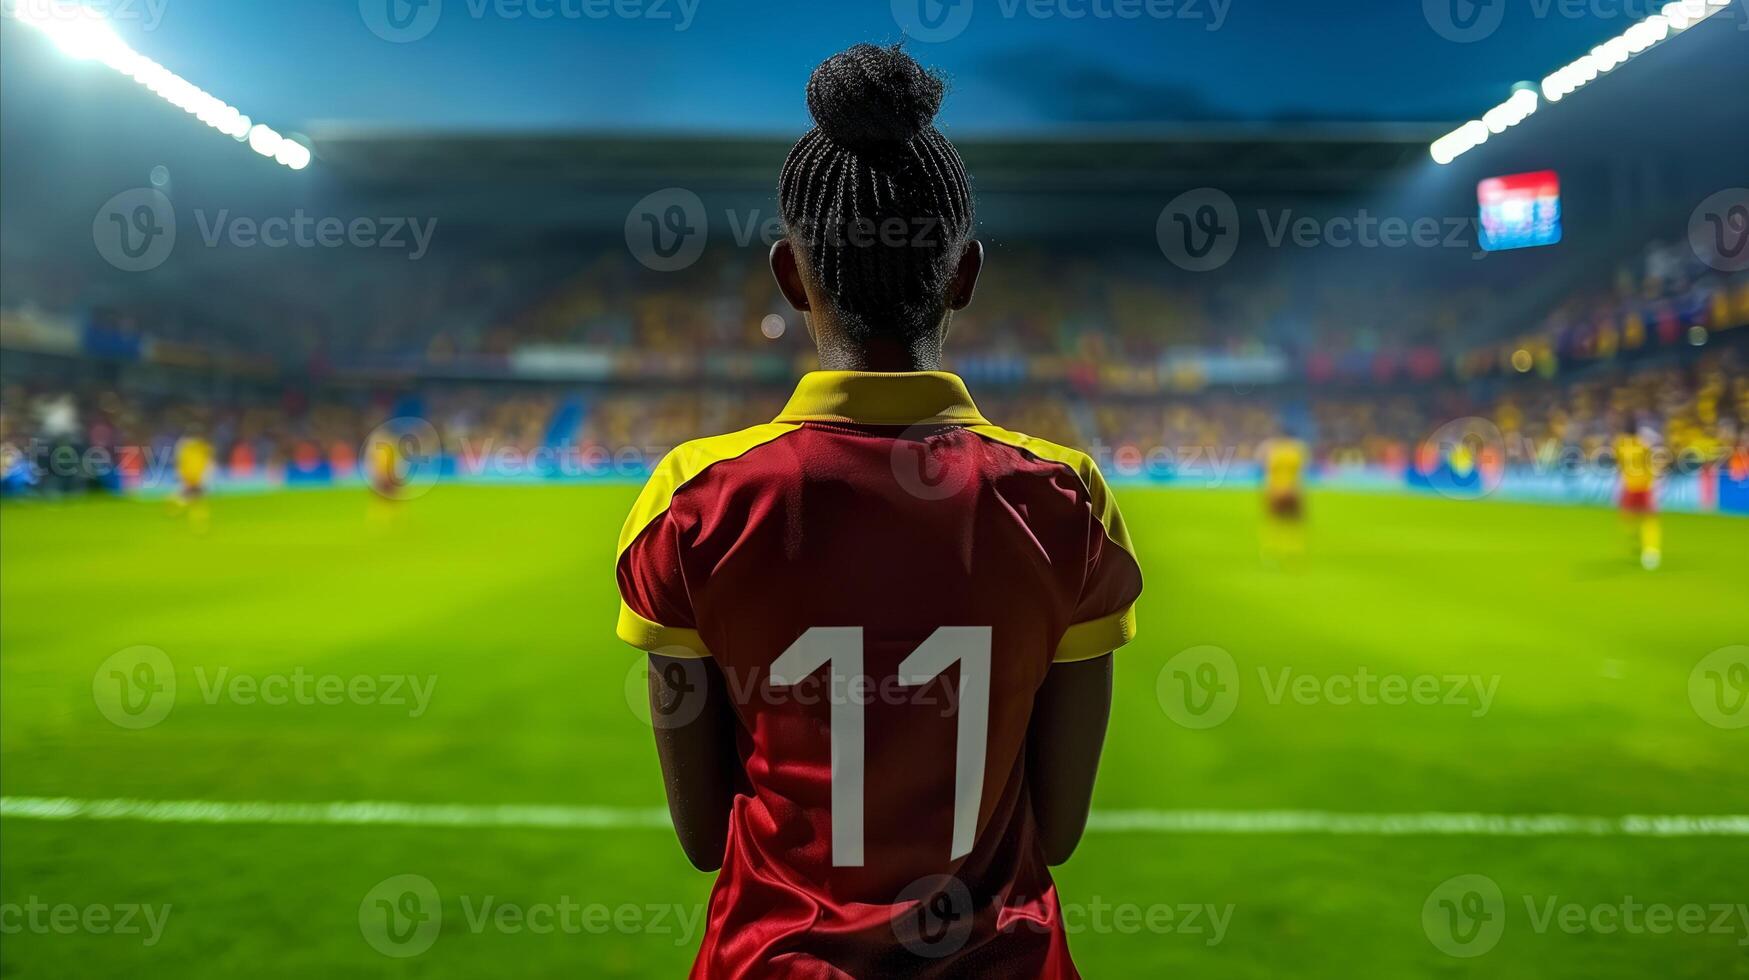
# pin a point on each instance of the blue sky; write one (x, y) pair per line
(740, 65)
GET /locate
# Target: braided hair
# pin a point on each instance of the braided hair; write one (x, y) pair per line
(875, 197)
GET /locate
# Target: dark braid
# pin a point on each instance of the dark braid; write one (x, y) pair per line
(875, 197)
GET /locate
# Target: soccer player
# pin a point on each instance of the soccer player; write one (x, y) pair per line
(1284, 469)
(384, 466)
(194, 461)
(879, 625)
(194, 465)
(1633, 460)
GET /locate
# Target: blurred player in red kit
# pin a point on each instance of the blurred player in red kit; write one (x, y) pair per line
(879, 625)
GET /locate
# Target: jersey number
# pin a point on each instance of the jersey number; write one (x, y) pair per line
(839, 649)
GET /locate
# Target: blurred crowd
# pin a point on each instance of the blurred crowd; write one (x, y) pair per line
(1696, 406)
(1078, 350)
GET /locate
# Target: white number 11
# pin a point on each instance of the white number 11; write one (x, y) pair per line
(840, 649)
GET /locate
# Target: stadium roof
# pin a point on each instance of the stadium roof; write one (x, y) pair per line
(1285, 159)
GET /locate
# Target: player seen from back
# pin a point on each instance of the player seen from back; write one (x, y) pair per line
(194, 468)
(1639, 506)
(879, 625)
(1284, 469)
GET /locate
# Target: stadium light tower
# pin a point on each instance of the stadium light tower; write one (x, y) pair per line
(1675, 18)
(83, 33)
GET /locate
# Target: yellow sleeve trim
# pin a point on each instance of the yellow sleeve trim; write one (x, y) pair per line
(686, 461)
(669, 641)
(1085, 641)
(1104, 504)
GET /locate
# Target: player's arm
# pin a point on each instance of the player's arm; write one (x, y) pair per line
(1073, 705)
(695, 741)
(1069, 718)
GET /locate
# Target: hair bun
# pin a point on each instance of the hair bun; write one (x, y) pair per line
(870, 98)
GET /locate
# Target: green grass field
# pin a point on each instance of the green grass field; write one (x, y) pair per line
(503, 599)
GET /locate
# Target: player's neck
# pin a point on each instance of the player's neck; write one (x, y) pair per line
(878, 354)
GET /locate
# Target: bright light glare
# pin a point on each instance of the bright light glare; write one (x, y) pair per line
(83, 33)
(1674, 18)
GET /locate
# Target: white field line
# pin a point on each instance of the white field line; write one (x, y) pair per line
(1105, 822)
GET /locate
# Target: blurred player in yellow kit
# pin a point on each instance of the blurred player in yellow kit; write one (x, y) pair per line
(194, 464)
(1639, 507)
(382, 462)
(1284, 470)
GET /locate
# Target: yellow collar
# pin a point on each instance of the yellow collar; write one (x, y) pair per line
(879, 398)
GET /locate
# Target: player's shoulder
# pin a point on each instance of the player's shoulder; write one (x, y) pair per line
(691, 458)
(1085, 470)
(685, 463)
(1076, 461)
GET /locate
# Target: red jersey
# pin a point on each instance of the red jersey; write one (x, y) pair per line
(883, 578)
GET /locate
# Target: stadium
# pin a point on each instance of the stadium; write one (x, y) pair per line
(317, 435)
